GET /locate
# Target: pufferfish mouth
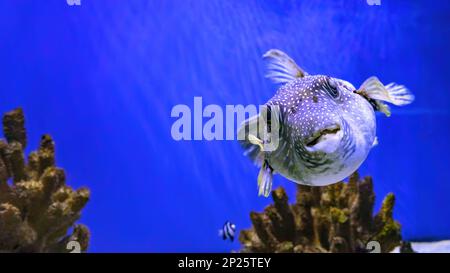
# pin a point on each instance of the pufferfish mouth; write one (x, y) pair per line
(320, 135)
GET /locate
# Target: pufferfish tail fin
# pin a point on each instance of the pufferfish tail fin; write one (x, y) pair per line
(281, 68)
(393, 93)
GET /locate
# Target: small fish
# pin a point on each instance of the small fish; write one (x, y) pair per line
(227, 231)
(325, 126)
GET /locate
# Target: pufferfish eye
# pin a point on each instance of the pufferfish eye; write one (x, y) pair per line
(332, 88)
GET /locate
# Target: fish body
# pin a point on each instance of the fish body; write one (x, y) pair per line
(326, 129)
(324, 138)
(227, 231)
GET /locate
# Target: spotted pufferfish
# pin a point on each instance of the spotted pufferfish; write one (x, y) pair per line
(325, 126)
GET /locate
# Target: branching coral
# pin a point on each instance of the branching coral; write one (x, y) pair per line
(335, 218)
(37, 208)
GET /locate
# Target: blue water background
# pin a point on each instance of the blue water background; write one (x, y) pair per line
(102, 79)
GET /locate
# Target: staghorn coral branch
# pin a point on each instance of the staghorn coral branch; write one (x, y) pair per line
(38, 209)
(14, 127)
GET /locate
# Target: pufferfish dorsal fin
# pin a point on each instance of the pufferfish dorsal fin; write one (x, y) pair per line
(281, 68)
(393, 93)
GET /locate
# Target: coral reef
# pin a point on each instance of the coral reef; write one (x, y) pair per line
(406, 247)
(335, 218)
(37, 208)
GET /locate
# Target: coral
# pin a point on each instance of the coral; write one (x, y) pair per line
(406, 247)
(335, 218)
(37, 208)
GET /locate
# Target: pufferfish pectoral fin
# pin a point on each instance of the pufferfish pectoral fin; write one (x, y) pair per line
(281, 68)
(251, 143)
(393, 93)
(265, 178)
(254, 149)
(260, 134)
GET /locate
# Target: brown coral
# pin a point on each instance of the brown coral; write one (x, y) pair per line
(335, 218)
(37, 208)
